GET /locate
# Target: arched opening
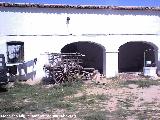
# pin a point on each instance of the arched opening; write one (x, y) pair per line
(94, 54)
(132, 56)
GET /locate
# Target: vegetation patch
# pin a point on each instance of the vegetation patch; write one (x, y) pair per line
(80, 99)
(90, 99)
(25, 98)
(141, 83)
(93, 115)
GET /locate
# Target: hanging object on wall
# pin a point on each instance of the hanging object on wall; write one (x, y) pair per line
(68, 19)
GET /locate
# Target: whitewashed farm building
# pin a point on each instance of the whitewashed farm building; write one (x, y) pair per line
(113, 38)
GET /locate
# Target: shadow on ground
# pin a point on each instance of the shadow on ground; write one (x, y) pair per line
(3, 89)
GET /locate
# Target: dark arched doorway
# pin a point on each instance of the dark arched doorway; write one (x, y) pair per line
(94, 54)
(132, 56)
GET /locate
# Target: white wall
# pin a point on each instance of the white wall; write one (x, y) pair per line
(37, 45)
(34, 21)
(52, 22)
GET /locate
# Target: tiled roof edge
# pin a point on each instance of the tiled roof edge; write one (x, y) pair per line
(35, 5)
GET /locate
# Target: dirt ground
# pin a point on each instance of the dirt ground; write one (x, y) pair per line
(140, 95)
(143, 100)
(129, 102)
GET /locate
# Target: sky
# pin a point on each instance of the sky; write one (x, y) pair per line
(93, 2)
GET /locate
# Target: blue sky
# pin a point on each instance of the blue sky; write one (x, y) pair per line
(93, 2)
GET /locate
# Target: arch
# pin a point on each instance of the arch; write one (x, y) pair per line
(132, 56)
(95, 56)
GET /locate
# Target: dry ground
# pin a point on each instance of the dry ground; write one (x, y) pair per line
(126, 97)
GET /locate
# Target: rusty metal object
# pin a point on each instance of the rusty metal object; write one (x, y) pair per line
(3, 71)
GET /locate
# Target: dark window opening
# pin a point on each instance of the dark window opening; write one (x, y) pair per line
(94, 54)
(133, 56)
(15, 52)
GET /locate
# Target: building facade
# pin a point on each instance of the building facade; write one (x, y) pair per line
(114, 39)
